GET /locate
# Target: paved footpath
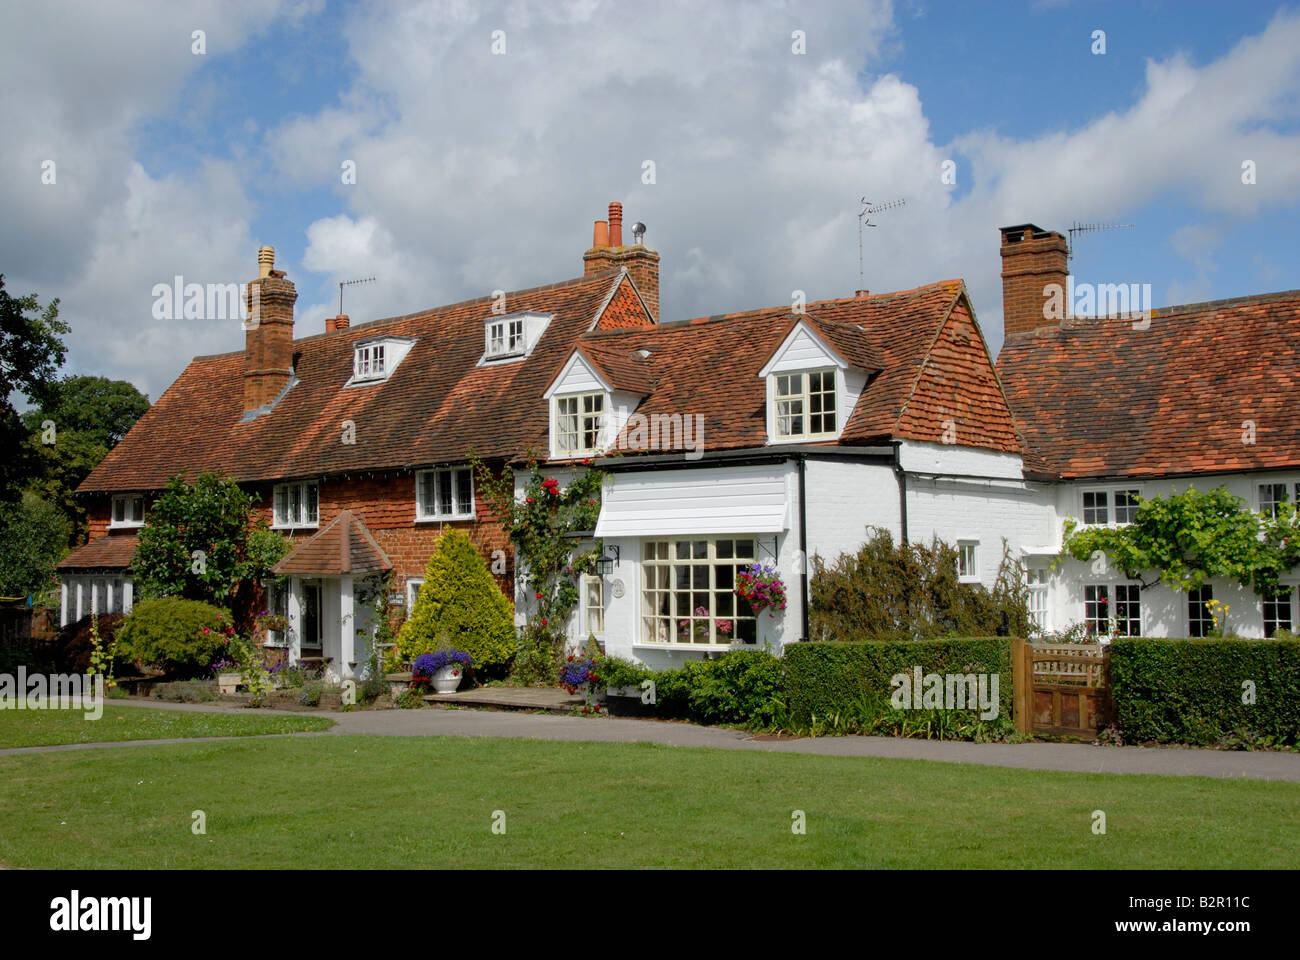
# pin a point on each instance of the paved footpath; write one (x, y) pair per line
(1070, 757)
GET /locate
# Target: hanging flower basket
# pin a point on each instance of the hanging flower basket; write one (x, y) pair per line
(762, 587)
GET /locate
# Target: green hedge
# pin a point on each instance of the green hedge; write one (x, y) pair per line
(1190, 691)
(741, 687)
(822, 678)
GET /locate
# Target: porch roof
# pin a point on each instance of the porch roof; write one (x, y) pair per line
(112, 552)
(343, 548)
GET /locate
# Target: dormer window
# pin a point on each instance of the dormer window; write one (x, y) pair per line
(505, 338)
(579, 424)
(805, 405)
(512, 337)
(368, 363)
(374, 360)
(127, 512)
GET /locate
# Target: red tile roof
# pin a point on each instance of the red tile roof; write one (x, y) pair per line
(343, 547)
(1098, 398)
(926, 357)
(437, 406)
(112, 552)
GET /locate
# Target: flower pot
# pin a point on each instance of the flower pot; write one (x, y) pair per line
(229, 682)
(447, 679)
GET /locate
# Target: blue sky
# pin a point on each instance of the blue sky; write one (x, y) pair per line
(479, 171)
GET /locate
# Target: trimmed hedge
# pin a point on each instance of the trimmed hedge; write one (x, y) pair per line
(741, 687)
(1190, 691)
(828, 677)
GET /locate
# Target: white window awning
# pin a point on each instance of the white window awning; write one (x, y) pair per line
(743, 499)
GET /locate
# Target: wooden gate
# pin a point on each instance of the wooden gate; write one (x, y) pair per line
(1061, 689)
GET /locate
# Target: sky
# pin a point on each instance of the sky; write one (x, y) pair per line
(149, 140)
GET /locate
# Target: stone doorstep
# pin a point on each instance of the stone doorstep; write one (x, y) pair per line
(511, 698)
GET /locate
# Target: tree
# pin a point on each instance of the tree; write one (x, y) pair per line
(30, 352)
(203, 541)
(86, 417)
(1190, 537)
(33, 538)
(460, 604)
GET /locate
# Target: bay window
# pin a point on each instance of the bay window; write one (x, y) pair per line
(687, 594)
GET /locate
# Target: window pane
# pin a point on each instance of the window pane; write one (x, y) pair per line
(464, 492)
(444, 492)
(311, 505)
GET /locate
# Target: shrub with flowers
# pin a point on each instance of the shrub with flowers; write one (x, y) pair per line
(762, 587)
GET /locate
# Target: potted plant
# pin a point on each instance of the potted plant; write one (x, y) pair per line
(229, 675)
(443, 668)
(578, 675)
(762, 587)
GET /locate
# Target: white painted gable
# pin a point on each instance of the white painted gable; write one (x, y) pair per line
(802, 350)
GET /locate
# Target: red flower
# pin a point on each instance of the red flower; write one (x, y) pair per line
(539, 596)
(529, 499)
(543, 623)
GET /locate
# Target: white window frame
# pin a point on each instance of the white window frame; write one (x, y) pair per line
(1271, 509)
(1203, 616)
(664, 630)
(1037, 580)
(582, 427)
(593, 611)
(413, 585)
(1112, 603)
(369, 361)
(505, 337)
(968, 561)
(300, 521)
(1111, 493)
(425, 511)
(277, 595)
(1290, 589)
(803, 397)
(127, 522)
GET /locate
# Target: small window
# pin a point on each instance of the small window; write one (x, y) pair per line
(967, 566)
(1096, 509)
(412, 593)
(1277, 612)
(444, 494)
(1096, 610)
(805, 404)
(128, 512)
(1128, 610)
(1037, 578)
(1126, 504)
(1200, 622)
(1271, 495)
(296, 505)
(579, 424)
(368, 363)
(505, 338)
(593, 601)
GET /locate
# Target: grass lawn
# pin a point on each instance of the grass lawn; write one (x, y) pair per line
(429, 802)
(40, 728)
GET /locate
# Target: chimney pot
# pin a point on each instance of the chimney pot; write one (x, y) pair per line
(615, 224)
(600, 235)
(341, 322)
(862, 293)
(265, 261)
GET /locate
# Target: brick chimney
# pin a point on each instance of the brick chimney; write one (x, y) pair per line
(608, 252)
(1032, 259)
(341, 322)
(268, 342)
